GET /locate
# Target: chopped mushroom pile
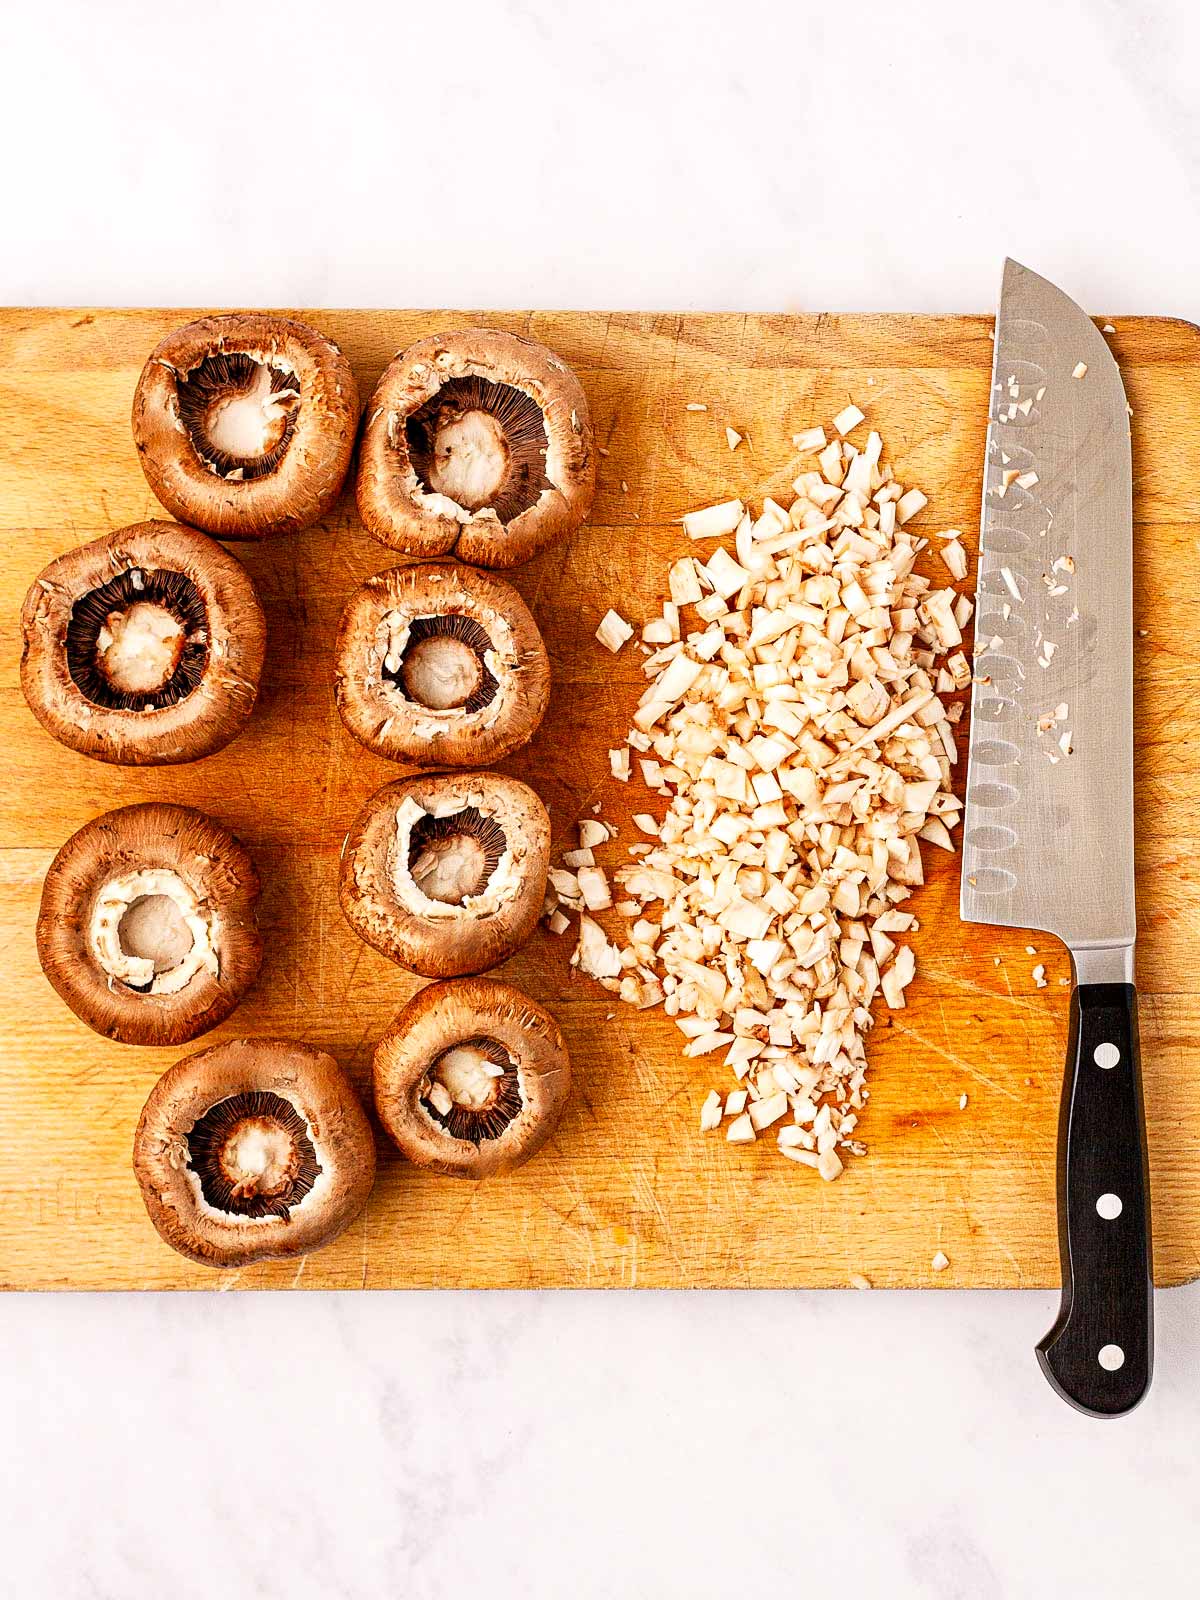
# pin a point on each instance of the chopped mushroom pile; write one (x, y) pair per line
(797, 732)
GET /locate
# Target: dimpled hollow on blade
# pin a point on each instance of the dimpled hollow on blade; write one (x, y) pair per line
(1048, 835)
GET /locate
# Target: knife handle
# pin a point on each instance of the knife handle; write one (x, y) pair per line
(1100, 1353)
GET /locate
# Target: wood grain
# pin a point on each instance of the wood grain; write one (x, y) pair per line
(628, 1193)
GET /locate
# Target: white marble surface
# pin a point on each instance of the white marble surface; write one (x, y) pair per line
(673, 155)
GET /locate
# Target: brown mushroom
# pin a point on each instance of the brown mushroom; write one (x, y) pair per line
(144, 647)
(471, 1078)
(446, 874)
(476, 442)
(440, 666)
(253, 1149)
(147, 924)
(245, 424)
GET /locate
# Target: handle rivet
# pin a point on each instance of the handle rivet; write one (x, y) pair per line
(1109, 1207)
(1111, 1358)
(1106, 1056)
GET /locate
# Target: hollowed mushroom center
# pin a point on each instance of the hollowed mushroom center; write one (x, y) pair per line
(440, 662)
(239, 413)
(138, 642)
(440, 672)
(258, 1157)
(154, 929)
(470, 458)
(451, 858)
(253, 1155)
(482, 445)
(473, 1090)
(469, 1076)
(148, 931)
(138, 650)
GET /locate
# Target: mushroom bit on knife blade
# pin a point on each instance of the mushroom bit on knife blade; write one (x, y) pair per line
(447, 874)
(253, 1149)
(471, 1078)
(440, 666)
(147, 924)
(245, 424)
(143, 648)
(476, 442)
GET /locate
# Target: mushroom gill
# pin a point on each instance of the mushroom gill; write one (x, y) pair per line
(473, 1090)
(252, 1155)
(452, 858)
(481, 444)
(138, 642)
(239, 412)
(443, 666)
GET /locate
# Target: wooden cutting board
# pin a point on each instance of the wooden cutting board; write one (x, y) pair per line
(628, 1193)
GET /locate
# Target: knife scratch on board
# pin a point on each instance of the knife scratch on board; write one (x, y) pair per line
(959, 1061)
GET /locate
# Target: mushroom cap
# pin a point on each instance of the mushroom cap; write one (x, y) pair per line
(400, 512)
(337, 1127)
(204, 720)
(305, 484)
(433, 1022)
(433, 937)
(380, 714)
(217, 870)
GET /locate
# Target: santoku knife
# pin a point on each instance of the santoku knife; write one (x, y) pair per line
(1048, 837)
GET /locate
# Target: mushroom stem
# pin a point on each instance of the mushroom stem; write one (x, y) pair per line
(253, 1155)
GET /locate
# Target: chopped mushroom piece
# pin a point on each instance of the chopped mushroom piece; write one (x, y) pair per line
(732, 438)
(593, 885)
(1080, 369)
(829, 1165)
(594, 955)
(955, 558)
(809, 441)
(848, 419)
(614, 631)
(909, 504)
(714, 522)
(940, 1262)
(592, 833)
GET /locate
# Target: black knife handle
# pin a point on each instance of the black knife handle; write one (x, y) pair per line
(1107, 1313)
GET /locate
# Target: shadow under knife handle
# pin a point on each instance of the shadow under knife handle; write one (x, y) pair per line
(1100, 1352)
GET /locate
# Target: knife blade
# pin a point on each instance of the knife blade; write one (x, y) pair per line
(1048, 835)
